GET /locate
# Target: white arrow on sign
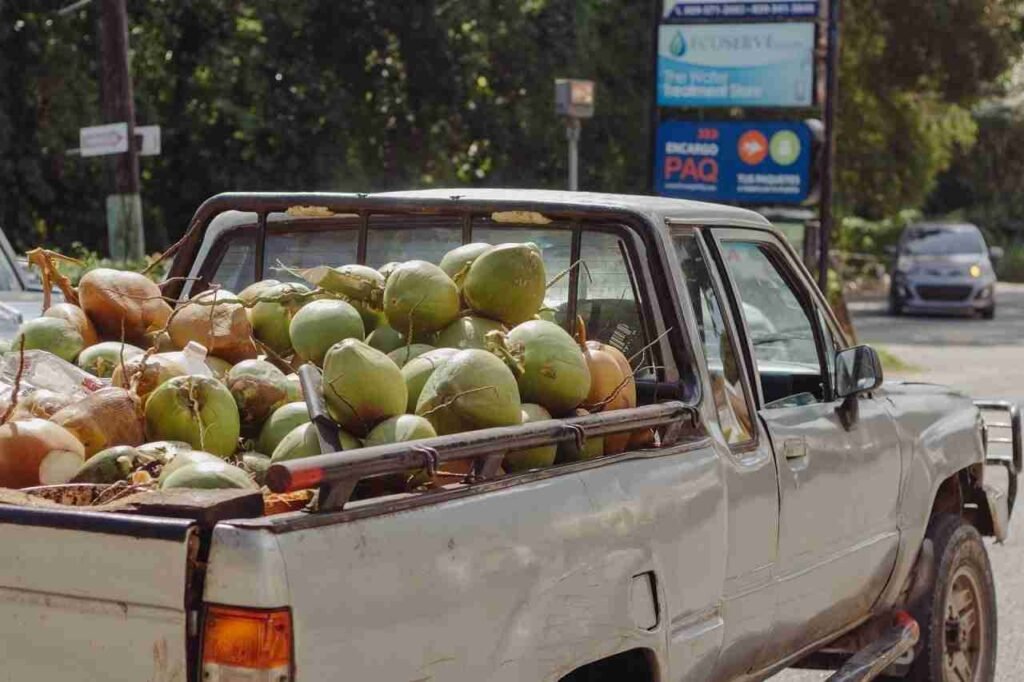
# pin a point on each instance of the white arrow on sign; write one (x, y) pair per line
(753, 147)
(105, 139)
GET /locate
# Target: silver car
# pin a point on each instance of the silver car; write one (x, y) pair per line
(944, 267)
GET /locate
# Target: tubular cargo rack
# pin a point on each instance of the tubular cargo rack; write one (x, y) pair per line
(336, 473)
(1002, 434)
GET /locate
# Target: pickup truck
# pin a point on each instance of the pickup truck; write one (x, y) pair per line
(787, 509)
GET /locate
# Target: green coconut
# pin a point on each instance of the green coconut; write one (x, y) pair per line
(252, 292)
(385, 339)
(506, 283)
(418, 370)
(321, 324)
(256, 465)
(271, 319)
(258, 388)
(294, 388)
(362, 386)
(184, 458)
(163, 450)
(550, 367)
(110, 465)
(457, 261)
(209, 475)
(420, 298)
(197, 410)
(303, 441)
(386, 269)
(401, 356)
(469, 331)
(400, 429)
(472, 390)
(56, 335)
(102, 359)
(280, 424)
(362, 286)
(218, 367)
(533, 458)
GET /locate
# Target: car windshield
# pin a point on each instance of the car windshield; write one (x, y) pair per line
(940, 242)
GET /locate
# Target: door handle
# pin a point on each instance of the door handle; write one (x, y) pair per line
(794, 448)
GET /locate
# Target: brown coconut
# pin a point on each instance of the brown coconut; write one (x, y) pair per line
(108, 417)
(216, 320)
(117, 299)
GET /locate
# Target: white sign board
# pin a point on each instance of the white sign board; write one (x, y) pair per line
(150, 140)
(102, 140)
(736, 65)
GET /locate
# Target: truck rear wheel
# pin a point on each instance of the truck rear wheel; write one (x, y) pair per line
(958, 617)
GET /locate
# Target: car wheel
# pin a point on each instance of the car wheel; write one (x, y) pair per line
(958, 617)
(989, 313)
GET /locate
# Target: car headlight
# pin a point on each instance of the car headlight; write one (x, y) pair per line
(975, 271)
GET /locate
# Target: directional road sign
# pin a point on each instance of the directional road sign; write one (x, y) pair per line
(111, 138)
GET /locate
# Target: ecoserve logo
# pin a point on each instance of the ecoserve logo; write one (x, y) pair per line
(737, 44)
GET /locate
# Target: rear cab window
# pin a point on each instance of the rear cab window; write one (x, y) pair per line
(598, 292)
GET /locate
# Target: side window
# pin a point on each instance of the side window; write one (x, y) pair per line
(606, 300)
(781, 332)
(719, 347)
(236, 269)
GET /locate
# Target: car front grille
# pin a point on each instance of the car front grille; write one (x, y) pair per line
(943, 292)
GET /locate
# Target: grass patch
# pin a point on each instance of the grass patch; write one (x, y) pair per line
(893, 363)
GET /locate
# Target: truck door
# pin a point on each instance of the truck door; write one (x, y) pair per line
(839, 483)
(752, 493)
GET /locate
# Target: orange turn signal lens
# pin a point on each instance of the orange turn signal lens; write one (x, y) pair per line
(259, 639)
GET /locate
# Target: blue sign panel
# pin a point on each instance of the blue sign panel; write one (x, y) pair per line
(736, 65)
(724, 10)
(736, 162)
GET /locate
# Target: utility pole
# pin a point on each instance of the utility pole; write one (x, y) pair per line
(829, 151)
(124, 206)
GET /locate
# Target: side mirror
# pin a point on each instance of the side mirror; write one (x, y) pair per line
(858, 370)
(995, 254)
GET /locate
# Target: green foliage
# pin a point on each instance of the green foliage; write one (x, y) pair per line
(906, 90)
(369, 95)
(872, 237)
(1011, 267)
(986, 182)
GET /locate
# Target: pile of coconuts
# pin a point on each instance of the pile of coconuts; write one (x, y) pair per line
(410, 351)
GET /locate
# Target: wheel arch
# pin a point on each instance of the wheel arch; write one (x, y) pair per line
(635, 665)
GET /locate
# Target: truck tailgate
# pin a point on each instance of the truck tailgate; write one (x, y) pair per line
(88, 596)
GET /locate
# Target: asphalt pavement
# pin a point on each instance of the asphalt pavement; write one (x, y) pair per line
(984, 358)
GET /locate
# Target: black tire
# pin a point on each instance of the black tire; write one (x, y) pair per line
(962, 565)
(989, 313)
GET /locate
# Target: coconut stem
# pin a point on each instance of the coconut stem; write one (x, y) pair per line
(569, 269)
(451, 401)
(17, 382)
(497, 343)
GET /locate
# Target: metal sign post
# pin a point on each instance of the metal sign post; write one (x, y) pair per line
(574, 101)
(828, 169)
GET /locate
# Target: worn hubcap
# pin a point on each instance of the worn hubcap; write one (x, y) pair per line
(965, 635)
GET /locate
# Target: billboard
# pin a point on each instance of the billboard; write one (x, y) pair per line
(739, 162)
(736, 65)
(724, 10)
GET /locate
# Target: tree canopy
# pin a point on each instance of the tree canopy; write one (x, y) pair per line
(369, 95)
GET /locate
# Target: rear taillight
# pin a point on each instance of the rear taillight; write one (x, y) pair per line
(247, 645)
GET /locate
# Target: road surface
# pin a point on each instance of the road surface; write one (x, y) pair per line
(985, 359)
